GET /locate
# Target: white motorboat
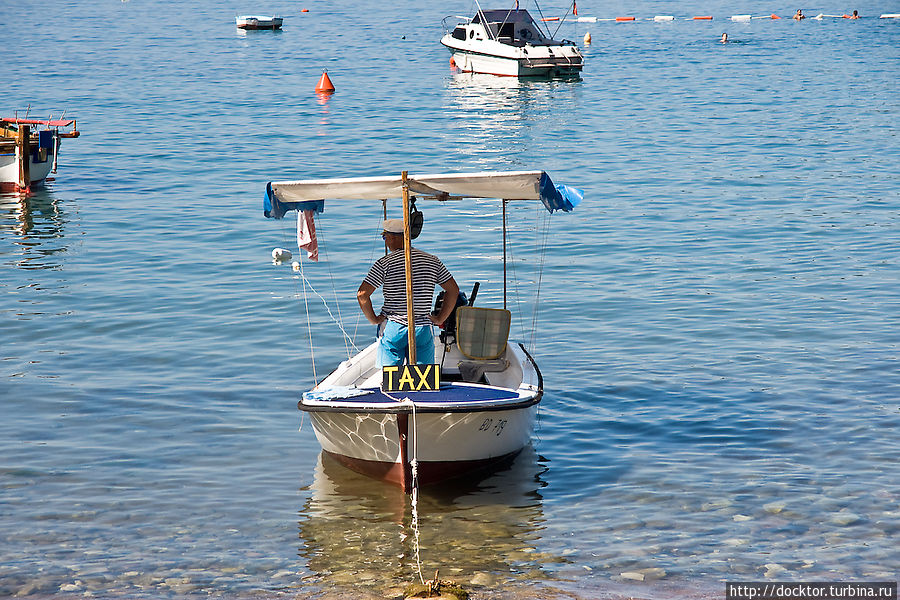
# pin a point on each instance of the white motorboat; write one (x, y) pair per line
(509, 42)
(28, 156)
(475, 407)
(258, 22)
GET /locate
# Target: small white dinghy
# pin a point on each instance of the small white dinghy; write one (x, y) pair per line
(258, 22)
(421, 424)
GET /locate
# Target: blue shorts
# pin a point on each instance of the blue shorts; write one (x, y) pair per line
(394, 344)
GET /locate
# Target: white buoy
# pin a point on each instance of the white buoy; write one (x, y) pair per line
(659, 18)
(740, 17)
(587, 38)
(281, 254)
(295, 266)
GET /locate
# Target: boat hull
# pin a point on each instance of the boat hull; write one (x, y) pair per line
(474, 62)
(429, 473)
(461, 430)
(443, 445)
(9, 170)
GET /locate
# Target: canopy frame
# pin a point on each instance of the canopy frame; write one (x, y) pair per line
(507, 186)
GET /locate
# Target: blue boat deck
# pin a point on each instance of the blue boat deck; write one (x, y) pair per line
(452, 397)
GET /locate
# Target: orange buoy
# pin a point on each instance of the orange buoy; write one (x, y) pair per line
(621, 19)
(452, 63)
(305, 10)
(548, 19)
(706, 18)
(325, 84)
(774, 16)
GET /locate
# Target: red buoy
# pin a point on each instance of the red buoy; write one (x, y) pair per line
(325, 85)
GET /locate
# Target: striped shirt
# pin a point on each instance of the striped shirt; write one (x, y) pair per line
(390, 271)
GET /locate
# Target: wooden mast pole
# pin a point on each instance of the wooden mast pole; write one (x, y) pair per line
(504, 254)
(23, 156)
(407, 257)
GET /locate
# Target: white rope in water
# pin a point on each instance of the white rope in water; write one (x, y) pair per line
(414, 497)
(337, 320)
(327, 308)
(340, 318)
(537, 297)
(312, 352)
(519, 302)
(542, 231)
(414, 463)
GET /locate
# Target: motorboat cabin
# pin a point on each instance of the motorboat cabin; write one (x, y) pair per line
(512, 27)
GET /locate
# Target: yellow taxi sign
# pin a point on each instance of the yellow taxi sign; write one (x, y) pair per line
(411, 378)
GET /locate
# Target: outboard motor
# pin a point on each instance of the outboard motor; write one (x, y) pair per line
(448, 333)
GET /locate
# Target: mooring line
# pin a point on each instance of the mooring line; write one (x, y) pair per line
(414, 496)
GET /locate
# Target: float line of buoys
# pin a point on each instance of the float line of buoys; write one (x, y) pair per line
(736, 18)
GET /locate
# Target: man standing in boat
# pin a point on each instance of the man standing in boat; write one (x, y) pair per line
(389, 271)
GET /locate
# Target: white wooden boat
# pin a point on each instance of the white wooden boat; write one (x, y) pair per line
(481, 411)
(509, 42)
(29, 149)
(258, 22)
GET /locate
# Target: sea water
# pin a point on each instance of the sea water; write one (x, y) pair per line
(718, 327)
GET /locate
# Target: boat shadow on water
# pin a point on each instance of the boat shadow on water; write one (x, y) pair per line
(355, 530)
(37, 220)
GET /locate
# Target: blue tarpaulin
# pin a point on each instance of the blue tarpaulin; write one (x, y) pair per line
(275, 209)
(559, 197)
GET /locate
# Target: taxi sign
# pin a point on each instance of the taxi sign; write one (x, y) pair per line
(411, 378)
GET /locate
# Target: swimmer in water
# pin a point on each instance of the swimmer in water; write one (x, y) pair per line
(855, 15)
(724, 38)
(799, 16)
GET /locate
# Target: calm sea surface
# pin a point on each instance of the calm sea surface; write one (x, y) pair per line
(719, 328)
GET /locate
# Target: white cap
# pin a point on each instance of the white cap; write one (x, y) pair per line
(393, 226)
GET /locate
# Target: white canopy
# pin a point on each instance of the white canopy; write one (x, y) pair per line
(310, 194)
(509, 185)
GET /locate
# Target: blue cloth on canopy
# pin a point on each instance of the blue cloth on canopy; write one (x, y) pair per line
(559, 197)
(274, 208)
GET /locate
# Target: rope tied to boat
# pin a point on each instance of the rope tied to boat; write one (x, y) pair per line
(312, 354)
(414, 495)
(306, 283)
(433, 587)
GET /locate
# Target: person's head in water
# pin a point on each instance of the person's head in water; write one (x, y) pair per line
(724, 38)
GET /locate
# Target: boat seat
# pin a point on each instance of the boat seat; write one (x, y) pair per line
(482, 335)
(474, 370)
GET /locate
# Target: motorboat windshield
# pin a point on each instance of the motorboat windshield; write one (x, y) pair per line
(514, 27)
